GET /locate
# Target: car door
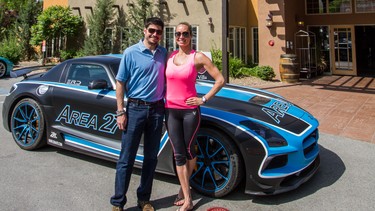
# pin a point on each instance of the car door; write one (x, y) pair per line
(86, 117)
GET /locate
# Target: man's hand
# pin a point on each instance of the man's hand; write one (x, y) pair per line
(122, 121)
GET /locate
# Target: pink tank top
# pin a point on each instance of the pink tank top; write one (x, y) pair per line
(180, 82)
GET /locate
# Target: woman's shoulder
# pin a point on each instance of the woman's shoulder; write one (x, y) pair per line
(172, 53)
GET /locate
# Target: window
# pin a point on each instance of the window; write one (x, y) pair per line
(365, 6)
(328, 6)
(255, 46)
(237, 43)
(170, 44)
(169, 39)
(83, 74)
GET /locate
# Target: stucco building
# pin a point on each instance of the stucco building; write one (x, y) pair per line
(328, 36)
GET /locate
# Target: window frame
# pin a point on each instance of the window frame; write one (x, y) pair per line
(238, 42)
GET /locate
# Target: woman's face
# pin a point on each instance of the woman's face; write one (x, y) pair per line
(182, 35)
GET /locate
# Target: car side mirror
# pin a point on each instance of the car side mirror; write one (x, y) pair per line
(98, 84)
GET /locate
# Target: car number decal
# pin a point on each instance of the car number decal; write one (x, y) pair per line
(277, 110)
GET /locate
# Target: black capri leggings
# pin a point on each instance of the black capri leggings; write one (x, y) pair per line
(182, 126)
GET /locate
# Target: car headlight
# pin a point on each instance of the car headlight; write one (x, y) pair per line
(272, 138)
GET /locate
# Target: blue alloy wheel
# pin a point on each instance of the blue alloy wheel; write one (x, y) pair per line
(27, 124)
(219, 167)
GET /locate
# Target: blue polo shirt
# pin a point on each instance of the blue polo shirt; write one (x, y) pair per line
(143, 72)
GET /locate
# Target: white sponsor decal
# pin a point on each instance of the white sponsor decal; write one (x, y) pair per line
(53, 135)
(55, 142)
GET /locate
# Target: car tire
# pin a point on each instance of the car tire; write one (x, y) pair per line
(28, 125)
(3, 69)
(219, 167)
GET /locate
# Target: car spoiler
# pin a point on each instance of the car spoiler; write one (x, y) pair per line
(26, 70)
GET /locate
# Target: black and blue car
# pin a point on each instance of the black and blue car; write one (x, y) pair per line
(247, 135)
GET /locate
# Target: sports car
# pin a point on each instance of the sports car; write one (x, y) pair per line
(5, 66)
(247, 135)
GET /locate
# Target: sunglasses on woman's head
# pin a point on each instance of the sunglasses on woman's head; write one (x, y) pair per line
(184, 34)
(152, 31)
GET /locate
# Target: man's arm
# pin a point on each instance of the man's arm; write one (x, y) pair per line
(121, 113)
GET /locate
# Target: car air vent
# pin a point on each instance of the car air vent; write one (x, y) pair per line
(259, 100)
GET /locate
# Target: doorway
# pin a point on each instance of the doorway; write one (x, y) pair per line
(365, 50)
(343, 54)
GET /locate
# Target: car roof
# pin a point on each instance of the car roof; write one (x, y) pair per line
(98, 58)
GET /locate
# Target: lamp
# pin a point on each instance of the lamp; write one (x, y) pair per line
(209, 22)
(181, 1)
(301, 23)
(269, 20)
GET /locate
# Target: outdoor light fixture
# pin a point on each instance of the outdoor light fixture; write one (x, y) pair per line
(269, 20)
(181, 1)
(301, 23)
(209, 22)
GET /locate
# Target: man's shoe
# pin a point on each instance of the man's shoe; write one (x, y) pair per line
(114, 208)
(145, 206)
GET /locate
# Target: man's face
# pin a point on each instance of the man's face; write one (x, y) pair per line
(153, 34)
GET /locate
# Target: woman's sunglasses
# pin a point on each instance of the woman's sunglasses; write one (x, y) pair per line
(184, 34)
(152, 31)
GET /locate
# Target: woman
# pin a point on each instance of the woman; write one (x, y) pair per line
(182, 106)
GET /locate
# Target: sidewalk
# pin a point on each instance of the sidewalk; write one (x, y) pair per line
(344, 105)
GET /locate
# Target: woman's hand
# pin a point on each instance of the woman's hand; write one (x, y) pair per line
(194, 101)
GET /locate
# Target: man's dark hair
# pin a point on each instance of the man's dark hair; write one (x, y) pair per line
(155, 21)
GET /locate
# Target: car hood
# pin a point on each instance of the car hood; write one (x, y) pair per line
(259, 105)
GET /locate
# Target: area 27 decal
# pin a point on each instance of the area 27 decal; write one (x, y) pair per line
(277, 110)
(87, 120)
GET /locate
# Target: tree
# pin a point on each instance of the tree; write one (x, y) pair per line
(7, 18)
(137, 15)
(55, 25)
(100, 31)
(27, 18)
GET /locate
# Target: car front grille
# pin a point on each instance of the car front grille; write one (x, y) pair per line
(310, 143)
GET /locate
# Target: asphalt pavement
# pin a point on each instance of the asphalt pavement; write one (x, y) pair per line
(55, 179)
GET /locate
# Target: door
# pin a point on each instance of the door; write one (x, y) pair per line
(365, 50)
(343, 54)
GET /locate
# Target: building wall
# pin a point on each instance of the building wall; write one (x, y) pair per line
(271, 40)
(195, 12)
(48, 3)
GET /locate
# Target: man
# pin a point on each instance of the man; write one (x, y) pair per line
(141, 79)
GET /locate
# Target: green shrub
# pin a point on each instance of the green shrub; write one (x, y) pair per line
(235, 65)
(217, 58)
(10, 49)
(80, 53)
(264, 72)
(68, 54)
(238, 69)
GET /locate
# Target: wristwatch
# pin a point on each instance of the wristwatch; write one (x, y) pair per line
(204, 99)
(121, 112)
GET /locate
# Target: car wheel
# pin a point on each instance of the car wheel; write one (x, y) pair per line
(219, 166)
(27, 124)
(3, 69)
